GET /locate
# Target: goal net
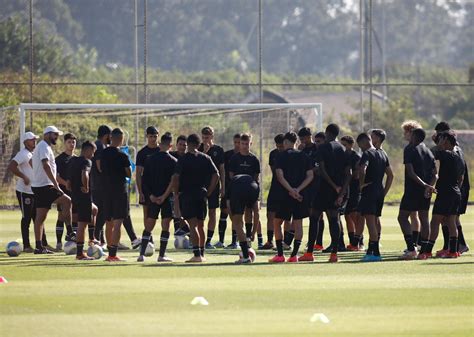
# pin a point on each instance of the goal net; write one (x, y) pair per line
(262, 121)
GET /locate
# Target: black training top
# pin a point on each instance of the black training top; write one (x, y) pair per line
(465, 183)
(96, 178)
(335, 159)
(76, 166)
(354, 158)
(248, 164)
(312, 152)
(113, 163)
(176, 154)
(158, 171)
(422, 160)
(195, 171)
(62, 163)
(145, 153)
(216, 153)
(376, 162)
(294, 165)
(227, 156)
(451, 167)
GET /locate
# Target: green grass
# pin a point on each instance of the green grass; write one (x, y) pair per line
(57, 296)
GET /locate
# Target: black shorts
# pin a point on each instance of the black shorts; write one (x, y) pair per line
(166, 209)
(272, 202)
(371, 202)
(464, 201)
(352, 204)
(193, 204)
(415, 201)
(45, 196)
(325, 198)
(447, 203)
(292, 208)
(240, 201)
(27, 205)
(83, 205)
(213, 200)
(116, 206)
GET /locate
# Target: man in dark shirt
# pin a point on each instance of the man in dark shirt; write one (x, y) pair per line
(335, 171)
(448, 197)
(272, 202)
(294, 173)
(157, 187)
(194, 181)
(319, 139)
(78, 179)
(420, 177)
(97, 188)
(181, 227)
(62, 162)
(217, 155)
(374, 165)
(115, 168)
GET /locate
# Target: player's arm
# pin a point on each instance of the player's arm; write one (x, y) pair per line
(347, 180)
(97, 164)
(49, 173)
(291, 191)
(362, 170)
(389, 180)
(325, 176)
(309, 178)
(222, 178)
(61, 180)
(213, 183)
(13, 168)
(85, 181)
(410, 171)
(138, 175)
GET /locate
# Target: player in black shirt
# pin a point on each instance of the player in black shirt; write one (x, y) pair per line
(294, 173)
(354, 222)
(195, 179)
(374, 165)
(448, 198)
(246, 162)
(181, 227)
(272, 202)
(78, 179)
(335, 171)
(420, 177)
(115, 168)
(319, 139)
(217, 155)
(62, 162)
(157, 187)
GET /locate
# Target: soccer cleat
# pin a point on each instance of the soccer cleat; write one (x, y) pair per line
(164, 259)
(371, 258)
(260, 245)
(277, 259)
(219, 244)
(136, 243)
(48, 247)
(292, 259)
(71, 237)
(210, 246)
(233, 246)
(121, 246)
(361, 248)
(267, 246)
(352, 248)
(442, 253)
(451, 255)
(140, 258)
(328, 249)
(196, 259)
(333, 258)
(318, 248)
(306, 257)
(28, 250)
(84, 257)
(244, 261)
(463, 248)
(42, 251)
(286, 247)
(59, 246)
(409, 255)
(424, 256)
(114, 259)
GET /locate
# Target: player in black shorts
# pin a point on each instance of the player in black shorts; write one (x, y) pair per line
(319, 139)
(448, 197)
(272, 202)
(420, 177)
(217, 155)
(245, 162)
(354, 222)
(157, 188)
(373, 167)
(335, 171)
(181, 227)
(115, 167)
(78, 180)
(62, 162)
(243, 194)
(195, 179)
(148, 150)
(294, 172)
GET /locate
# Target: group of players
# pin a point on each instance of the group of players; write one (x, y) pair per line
(311, 175)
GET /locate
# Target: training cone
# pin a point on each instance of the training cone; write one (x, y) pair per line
(3, 280)
(319, 317)
(199, 300)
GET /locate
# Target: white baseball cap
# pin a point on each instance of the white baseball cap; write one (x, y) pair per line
(52, 129)
(29, 135)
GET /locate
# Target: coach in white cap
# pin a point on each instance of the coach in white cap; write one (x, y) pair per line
(45, 186)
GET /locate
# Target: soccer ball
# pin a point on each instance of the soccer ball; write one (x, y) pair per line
(252, 254)
(95, 251)
(70, 248)
(181, 242)
(150, 249)
(14, 248)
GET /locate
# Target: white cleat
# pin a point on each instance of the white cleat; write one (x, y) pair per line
(136, 243)
(409, 255)
(164, 259)
(141, 258)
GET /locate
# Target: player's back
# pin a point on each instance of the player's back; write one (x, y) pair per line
(76, 166)
(335, 159)
(294, 164)
(195, 170)
(377, 162)
(159, 169)
(450, 168)
(113, 163)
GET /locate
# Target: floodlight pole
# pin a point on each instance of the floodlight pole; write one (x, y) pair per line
(361, 62)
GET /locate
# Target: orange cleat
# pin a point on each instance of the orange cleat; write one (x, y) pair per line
(451, 255)
(318, 248)
(292, 259)
(442, 253)
(277, 259)
(352, 248)
(114, 259)
(424, 256)
(333, 258)
(306, 257)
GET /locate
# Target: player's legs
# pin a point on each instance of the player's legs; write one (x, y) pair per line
(211, 226)
(26, 203)
(462, 244)
(373, 228)
(453, 235)
(335, 228)
(150, 223)
(297, 224)
(407, 230)
(277, 222)
(427, 247)
(164, 237)
(270, 218)
(423, 216)
(86, 217)
(288, 235)
(350, 226)
(194, 234)
(415, 226)
(41, 214)
(313, 231)
(222, 226)
(359, 233)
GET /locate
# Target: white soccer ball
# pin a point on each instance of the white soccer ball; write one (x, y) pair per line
(181, 242)
(150, 249)
(14, 248)
(95, 251)
(252, 254)
(70, 248)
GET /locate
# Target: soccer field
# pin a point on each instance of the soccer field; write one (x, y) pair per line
(58, 296)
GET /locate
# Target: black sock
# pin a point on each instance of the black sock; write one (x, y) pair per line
(296, 247)
(201, 251)
(461, 239)
(428, 246)
(260, 239)
(288, 237)
(80, 248)
(222, 226)
(59, 231)
(176, 223)
(210, 233)
(445, 231)
(44, 239)
(319, 237)
(196, 251)
(351, 238)
(245, 249)
(361, 241)
(248, 229)
(127, 223)
(279, 245)
(165, 235)
(415, 236)
(25, 232)
(39, 245)
(269, 235)
(357, 239)
(234, 237)
(341, 239)
(112, 251)
(145, 239)
(91, 230)
(409, 241)
(375, 249)
(335, 231)
(69, 229)
(453, 244)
